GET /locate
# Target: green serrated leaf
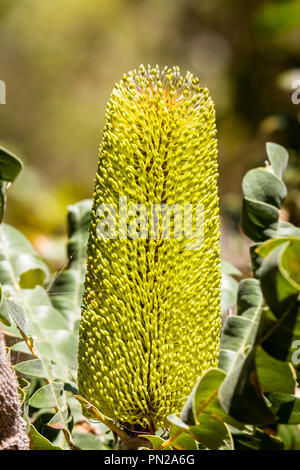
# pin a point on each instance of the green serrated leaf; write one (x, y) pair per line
(228, 268)
(278, 157)
(17, 313)
(259, 220)
(32, 368)
(212, 434)
(259, 441)
(205, 399)
(67, 290)
(264, 192)
(183, 440)
(39, 442)
(88, 442)
(274, 375)
(156, 441)
(20, 265)
(240, 394)
(10, 165)
(47, 396)
(286, 407)
(261, 185)
(290, 435)
(48, 326)
(56, 421)
(279, 281)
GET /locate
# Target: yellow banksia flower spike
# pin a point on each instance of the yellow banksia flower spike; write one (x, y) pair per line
(151, 317)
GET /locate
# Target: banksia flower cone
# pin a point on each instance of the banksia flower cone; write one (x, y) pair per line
(151, 317)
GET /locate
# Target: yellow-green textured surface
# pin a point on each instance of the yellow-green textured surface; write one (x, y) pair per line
(151, 317)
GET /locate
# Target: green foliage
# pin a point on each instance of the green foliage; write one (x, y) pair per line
(278, 17)
(44, 318)
(10, 167)
(248, 403)
(252, 395)
(229, 286)
(67, 289)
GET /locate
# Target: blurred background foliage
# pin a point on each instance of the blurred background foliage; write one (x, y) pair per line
(60, 60)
